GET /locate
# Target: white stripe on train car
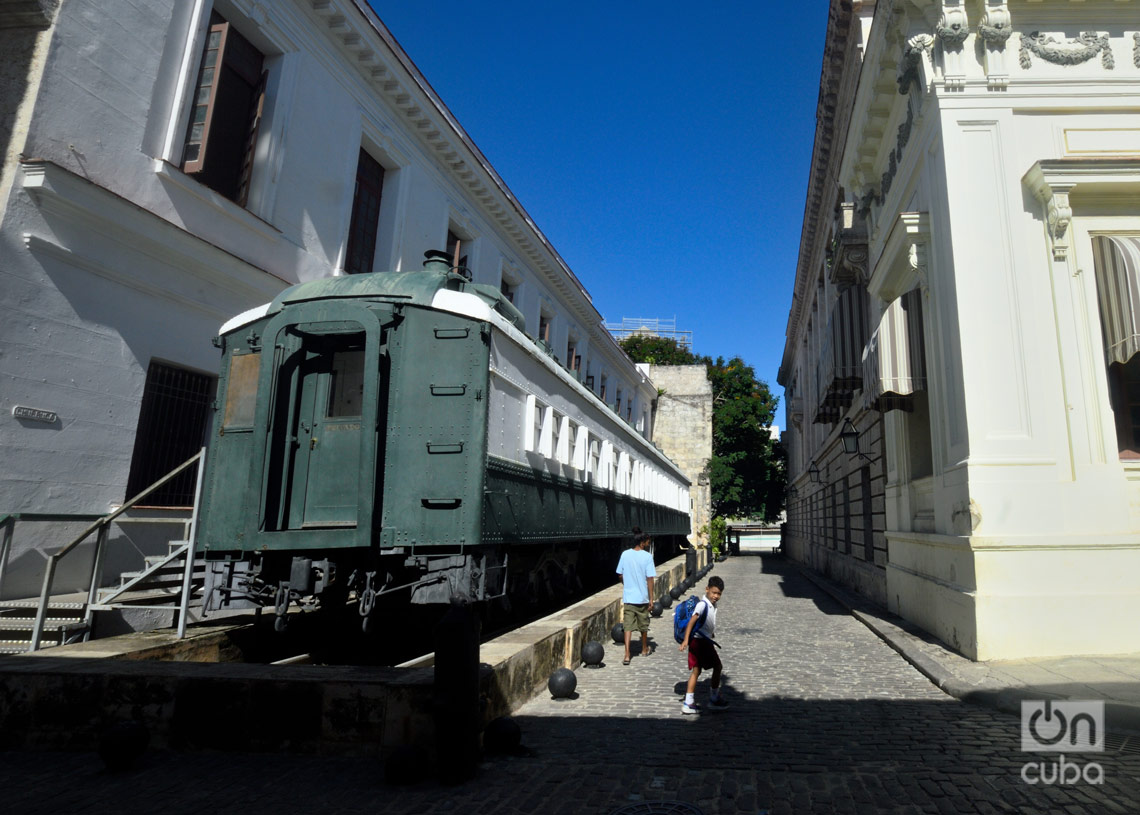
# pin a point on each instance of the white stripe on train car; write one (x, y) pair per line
(255, 313)
(469, 305)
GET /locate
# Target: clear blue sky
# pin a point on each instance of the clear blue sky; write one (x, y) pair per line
(663, 148)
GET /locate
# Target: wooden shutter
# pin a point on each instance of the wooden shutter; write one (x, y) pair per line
(206, 93)
(255, 114)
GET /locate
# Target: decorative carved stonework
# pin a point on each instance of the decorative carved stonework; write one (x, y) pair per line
(847, 256)
(952, 27)
(916, 260)
(1053, 193)
(1069, 52)
(1059, 214)
(912, 58)
(1136, 50)
(997, 33)
(995, 29)
(903, 260)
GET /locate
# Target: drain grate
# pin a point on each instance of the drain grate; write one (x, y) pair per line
(658, 808)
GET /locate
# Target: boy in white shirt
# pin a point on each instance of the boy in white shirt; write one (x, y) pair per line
(702, 652)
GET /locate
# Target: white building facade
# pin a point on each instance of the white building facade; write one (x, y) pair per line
(170, 166)
(966, 311)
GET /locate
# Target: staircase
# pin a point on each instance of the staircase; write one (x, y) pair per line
(157, 586)
(65, 623)
(164, 583)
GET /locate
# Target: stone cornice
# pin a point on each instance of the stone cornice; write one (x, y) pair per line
(837, 53)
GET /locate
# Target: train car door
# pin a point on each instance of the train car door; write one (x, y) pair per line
(319, 410)
(325, 466)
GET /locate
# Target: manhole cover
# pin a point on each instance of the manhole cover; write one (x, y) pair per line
(658, 808)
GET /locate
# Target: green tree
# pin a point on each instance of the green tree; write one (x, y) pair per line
(746, 471)
(658, 351)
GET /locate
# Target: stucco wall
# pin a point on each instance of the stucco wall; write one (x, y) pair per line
(1010, 519)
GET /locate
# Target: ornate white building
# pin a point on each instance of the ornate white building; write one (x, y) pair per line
(967, 311)
(169, 165)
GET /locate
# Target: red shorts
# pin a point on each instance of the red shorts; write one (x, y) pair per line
(703, 655)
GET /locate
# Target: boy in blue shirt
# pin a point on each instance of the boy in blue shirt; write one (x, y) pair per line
(637, 573)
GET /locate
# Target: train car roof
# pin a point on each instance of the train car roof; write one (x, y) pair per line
(418, 288)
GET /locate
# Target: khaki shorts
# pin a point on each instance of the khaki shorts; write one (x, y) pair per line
(636, 617)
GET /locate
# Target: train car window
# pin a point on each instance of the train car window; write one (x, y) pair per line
(607, 466)
(549, 441)
(581, 448)
(241, 391)
(565, 430)
(530, 425)
(539, 423)
(346, 389)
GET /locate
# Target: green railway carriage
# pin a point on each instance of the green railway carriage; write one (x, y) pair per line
(399, 432)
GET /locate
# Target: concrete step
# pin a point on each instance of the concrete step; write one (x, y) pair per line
(33, 603)
(13, 646)
(26, 624)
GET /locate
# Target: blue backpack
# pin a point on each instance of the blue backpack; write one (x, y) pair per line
(683, 613)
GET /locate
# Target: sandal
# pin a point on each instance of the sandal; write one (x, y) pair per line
(625, 662)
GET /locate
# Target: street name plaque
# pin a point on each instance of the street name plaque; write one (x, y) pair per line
(35, 414)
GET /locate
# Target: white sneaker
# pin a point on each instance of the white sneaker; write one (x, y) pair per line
(689, 709)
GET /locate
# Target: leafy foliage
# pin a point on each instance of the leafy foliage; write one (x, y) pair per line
(658, 351)
(717, 530)
(746, 471)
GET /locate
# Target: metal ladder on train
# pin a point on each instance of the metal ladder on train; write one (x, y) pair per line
(164, 582)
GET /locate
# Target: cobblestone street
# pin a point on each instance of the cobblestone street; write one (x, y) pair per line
(824, 718)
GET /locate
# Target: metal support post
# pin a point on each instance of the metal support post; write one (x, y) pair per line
(45, 595)
(9, 525)
(188, 571)
(96, 577)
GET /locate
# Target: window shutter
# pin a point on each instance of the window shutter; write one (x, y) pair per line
(251, 140)
(202, 113)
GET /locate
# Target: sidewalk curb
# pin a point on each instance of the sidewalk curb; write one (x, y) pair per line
(906, 639)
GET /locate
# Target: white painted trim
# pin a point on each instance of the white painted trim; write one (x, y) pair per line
(246, 317)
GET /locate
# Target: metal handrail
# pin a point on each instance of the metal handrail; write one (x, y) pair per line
(8, 525)
(103, 526)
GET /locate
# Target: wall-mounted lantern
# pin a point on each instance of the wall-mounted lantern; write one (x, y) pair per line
(850, 438)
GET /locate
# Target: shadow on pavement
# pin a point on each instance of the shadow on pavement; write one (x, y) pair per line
(769, 755)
